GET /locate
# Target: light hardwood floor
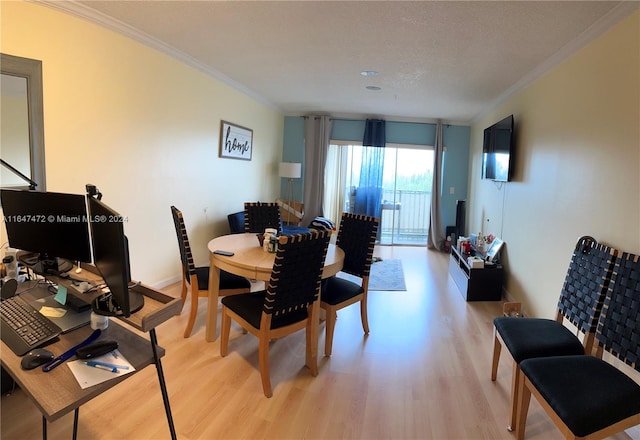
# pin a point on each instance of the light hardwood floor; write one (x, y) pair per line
(422, 373)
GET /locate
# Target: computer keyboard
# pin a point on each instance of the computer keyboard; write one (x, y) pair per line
(23, 327)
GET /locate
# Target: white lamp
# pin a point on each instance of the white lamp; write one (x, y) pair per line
(290, 171)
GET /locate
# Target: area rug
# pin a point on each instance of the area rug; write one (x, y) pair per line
(385, 275)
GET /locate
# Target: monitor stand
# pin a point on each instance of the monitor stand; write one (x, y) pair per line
(136, 301)
(52, 266)
(105, 305)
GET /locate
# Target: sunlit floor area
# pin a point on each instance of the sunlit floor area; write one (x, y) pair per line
(422, 373)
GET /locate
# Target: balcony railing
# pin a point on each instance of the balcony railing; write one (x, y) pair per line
(405, 219)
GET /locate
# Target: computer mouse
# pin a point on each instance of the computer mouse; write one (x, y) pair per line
(35, 358)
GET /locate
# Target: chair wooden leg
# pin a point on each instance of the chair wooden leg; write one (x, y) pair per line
(183, 295)
(263, 356)
(312, 338)
(515, 390)
(330, 326)
(225, 329)
(363, 314)
(497, 348)
(192, 314)
(524, 398)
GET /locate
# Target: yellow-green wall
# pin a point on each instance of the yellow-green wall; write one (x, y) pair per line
(577, 166)
(144, 128)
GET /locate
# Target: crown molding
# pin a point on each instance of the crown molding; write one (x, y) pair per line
(606, 22)
(71, 7)
(89, 14)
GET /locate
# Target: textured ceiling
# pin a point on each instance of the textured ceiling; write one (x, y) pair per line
(436, 59)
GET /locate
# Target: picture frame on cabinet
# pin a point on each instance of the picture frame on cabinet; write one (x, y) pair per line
(493, 253)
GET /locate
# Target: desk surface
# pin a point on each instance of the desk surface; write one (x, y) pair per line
(57, 392)
(251, 261)
(158, 307)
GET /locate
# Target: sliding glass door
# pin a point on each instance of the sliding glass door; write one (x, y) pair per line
(403, 200)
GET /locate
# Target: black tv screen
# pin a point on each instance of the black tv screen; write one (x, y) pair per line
(497, 151)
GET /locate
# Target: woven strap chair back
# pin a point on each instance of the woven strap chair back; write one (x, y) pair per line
(619, 326)
(297, 271)
(183, 241)
(357, 238)
(261, 215)
(586, 283)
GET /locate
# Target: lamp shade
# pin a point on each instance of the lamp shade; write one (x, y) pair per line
(290, 170)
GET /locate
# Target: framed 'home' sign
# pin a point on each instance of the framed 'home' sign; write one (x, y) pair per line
(236, 142)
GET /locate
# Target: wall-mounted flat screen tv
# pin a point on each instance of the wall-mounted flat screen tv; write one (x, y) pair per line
(497, 151)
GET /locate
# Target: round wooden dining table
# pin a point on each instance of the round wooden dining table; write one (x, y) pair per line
(251, 261)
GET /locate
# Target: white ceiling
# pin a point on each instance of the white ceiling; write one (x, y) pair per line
(436, 59)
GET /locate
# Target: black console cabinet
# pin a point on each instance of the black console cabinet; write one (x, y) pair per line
(475, 284)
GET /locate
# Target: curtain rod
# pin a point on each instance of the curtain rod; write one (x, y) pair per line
(362, 120)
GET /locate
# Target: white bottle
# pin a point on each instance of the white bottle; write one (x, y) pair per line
(480, 243)
(268, 233)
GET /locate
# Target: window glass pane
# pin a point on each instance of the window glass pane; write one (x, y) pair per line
(406, 190)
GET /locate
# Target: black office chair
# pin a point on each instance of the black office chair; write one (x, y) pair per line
(357, 238)
(261, 215)
(585, 396)
(580, 303)
(198, 277)
(290, 302)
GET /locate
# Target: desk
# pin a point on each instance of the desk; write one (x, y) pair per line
(57, 392)
(249, 260)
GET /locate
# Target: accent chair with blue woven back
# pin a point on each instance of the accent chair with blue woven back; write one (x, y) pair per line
(236, 222)
(585, 396)
(357, 238)
(289, 303)
(580, 303)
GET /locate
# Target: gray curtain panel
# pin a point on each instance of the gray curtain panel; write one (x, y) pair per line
(317, 133)
(436, 237)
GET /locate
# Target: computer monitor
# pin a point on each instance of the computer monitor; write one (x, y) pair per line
(111, 257)
(52, 225)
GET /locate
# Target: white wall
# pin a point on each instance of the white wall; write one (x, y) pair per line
(144, 128)
(578, 156)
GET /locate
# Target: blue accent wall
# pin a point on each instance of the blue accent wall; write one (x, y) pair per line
(456, 140)
(293, 151)
(347, 130)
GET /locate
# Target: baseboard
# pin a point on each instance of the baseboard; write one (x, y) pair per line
(167, 282)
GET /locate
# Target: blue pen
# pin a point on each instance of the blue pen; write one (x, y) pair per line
(106, 366)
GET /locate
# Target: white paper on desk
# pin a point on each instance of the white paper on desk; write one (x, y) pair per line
(53, 312)
(89, 376)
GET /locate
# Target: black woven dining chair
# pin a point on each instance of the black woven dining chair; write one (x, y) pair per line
(586, 396)
(580, 303)
(357, 238)
(261, 215)
(198, 277)
(289, 303)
